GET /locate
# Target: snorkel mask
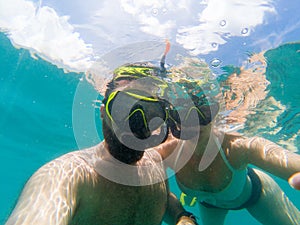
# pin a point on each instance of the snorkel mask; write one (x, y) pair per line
(137, 118)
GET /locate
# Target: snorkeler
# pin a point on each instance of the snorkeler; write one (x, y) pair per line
(111, 183)
(230, 180)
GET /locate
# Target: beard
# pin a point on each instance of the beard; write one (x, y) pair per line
(118, 150)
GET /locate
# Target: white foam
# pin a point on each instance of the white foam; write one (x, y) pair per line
(221, 20)
(44, 32)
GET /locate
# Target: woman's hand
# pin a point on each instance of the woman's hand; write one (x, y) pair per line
(294, 181)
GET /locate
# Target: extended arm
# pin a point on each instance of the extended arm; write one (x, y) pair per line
(272, 157)
(267, 155)
(49, 197)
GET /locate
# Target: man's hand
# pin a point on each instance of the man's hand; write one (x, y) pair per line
(186, 218)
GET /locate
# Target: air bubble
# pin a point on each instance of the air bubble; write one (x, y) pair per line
(215, 63)
(244, 31)
(155, 11)
(214, 45)
(222, 23)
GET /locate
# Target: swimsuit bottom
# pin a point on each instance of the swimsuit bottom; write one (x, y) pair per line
(255, 192)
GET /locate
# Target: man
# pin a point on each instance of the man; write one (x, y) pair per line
(116, 182)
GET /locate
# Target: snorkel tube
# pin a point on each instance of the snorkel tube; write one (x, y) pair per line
(163, 58)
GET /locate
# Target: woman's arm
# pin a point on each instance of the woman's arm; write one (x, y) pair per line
(267, 156)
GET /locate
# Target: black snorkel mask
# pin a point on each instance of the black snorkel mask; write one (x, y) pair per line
(138, 119)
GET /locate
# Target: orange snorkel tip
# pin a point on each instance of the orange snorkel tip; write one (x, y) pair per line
(168, 46)
(163, 58)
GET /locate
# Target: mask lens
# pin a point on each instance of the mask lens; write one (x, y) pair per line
(184, 123)
(137, 114)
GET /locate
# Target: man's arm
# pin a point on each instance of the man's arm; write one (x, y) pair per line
(176, 214)
(49, 197)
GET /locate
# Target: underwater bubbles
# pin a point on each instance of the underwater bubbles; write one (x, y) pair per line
(245, 31)
(214, 45)
(154, 11)
(215, 62)
(159, 11)
(222, 23)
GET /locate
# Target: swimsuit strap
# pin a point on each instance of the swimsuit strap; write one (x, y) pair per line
(222, 153)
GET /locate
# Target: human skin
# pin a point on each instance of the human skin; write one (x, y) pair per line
(70, 190)
(294, 181)
(240, 152)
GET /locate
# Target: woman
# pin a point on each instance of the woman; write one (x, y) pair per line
(229, 184)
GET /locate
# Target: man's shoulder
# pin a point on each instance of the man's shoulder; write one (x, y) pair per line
(152, 154)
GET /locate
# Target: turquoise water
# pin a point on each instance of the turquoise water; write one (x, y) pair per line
(36, 124)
